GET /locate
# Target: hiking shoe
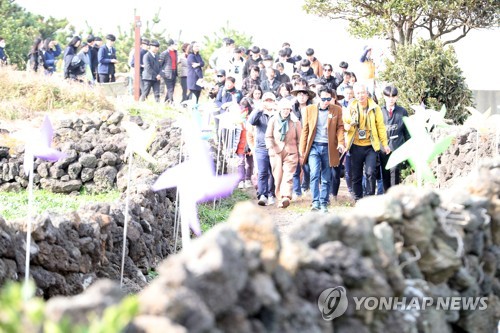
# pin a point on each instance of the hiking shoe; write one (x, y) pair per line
(271, 201)
(315, 208)
(241, 185)
(248, 184)
(262, 200)
(323, 209)
(285, 202)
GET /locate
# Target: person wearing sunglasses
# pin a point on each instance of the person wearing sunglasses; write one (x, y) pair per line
(328, 79)
(321, 143)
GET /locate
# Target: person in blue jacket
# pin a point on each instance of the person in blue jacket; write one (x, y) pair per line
(51, 50)
(107, 60)
(3, 55)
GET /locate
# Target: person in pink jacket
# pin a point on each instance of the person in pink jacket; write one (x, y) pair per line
(282, 140)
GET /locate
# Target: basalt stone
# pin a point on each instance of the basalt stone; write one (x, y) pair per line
(109, 158)
(87, 174)
(115, 118)
(56, 172)
(74, 170)
(104, 178)
(88, 160)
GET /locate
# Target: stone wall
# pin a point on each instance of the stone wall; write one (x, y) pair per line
(467, 150)
(95, 146)
(243, 276)
(70, 251)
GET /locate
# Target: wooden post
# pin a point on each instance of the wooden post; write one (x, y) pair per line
(137, 58)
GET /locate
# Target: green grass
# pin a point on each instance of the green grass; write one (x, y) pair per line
(209, 216)
(15, 205)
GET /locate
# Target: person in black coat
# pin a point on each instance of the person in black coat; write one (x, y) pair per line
(168, 63)
(71, 63)
(94, 45)
(151, 73)
(397, 134)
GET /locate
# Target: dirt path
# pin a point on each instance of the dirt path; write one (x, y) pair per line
(285, 218)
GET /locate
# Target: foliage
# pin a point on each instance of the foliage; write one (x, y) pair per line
(428, 72)
(210, 216)
(402, 20)
(19, 315)
(214, 41)
(22, 93)
(20, 28)
(15, 204)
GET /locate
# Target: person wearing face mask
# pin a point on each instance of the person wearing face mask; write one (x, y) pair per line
(282, 141)
(3, 56)
(260, 119)
(321, 143)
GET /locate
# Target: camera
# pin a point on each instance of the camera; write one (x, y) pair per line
(362, 134)
(236, 69)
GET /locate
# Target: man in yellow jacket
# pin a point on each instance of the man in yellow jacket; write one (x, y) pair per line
(366, 135)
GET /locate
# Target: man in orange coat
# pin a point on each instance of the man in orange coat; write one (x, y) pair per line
(321, 142)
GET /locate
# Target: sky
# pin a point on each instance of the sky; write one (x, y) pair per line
(270, 22)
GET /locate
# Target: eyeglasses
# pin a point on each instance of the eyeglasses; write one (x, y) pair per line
(220, 75)
(326, 99)
(327, 69)
(269, 100)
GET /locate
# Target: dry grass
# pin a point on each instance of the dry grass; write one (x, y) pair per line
(24, 93)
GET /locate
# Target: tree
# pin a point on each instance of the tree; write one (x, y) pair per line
(20, 28)
(428, 72)
(400, 21)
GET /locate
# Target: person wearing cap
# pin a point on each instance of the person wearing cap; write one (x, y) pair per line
(303, 98)
(267, 62)
(282, 141)
(253, 60)
(107, 60)
(221, 81)
(260, 119)
(339, 75)
(397, 134)
(251, 81)
(221, 58)
(151, 74)
(144, 47)
(315, 64)
(321, 143)
(306, 71)
(168, 63)
(366, 136)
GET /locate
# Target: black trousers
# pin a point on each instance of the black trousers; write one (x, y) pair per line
(105, 78)
(363, 157)
(170, 85)
(147, 85)
(389, 177)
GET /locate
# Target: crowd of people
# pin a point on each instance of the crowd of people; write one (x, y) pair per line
(305, 124)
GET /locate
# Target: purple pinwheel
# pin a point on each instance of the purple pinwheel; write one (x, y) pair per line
(195, 179)
(39, 146)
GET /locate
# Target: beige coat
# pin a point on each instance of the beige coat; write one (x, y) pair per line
(335, 127)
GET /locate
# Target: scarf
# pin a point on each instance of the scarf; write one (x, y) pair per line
(283, 126)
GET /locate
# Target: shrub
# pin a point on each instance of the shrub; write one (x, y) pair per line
(427, 72)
